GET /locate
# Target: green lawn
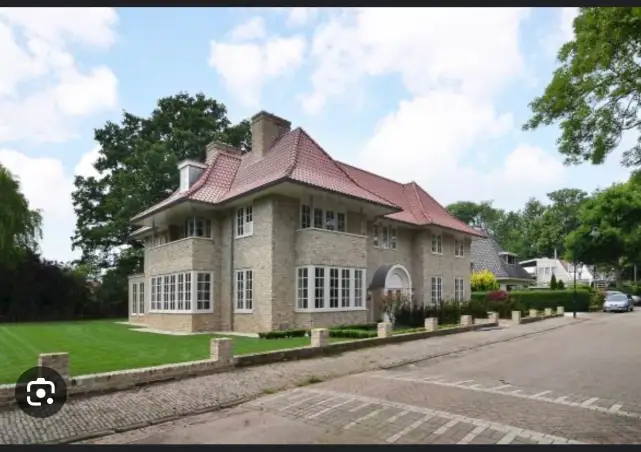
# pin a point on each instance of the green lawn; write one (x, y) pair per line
(103, 346)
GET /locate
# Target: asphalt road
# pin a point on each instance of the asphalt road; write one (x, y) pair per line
(577, 384)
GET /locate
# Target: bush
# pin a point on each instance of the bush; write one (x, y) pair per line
(539, 300)
(560, 285)
(447, 313)
(553, 284)
(483, 280)
(283, 334)
(352, 334)
(362, 326)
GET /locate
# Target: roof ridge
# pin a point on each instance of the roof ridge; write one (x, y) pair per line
(420, 204)
(336, 164)
(290, 169)
(373, 174)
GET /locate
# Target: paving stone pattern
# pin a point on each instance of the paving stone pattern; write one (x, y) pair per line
(108, 413)
(396, 423)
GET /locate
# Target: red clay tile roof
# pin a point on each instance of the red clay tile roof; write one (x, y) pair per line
(297, 157)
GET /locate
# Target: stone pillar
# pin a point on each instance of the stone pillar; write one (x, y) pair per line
(431, 324)
(466, 320)
(548, 311)
(221, 351)
(516, 317)
(56, 361)
(560, 310)
(493, 317)
(320, 337)
(534, 313)
(384, 329)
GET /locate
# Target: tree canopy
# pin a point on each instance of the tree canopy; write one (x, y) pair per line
(137, 168)
(20, 227)
(595, 92)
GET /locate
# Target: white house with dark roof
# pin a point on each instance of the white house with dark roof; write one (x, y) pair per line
(286, 237)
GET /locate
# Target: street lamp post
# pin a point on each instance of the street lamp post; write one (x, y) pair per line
(574, 294)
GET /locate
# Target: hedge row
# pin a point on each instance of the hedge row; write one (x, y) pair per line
(447, 313)
(352, 333)
(283, 334)
(536, 299)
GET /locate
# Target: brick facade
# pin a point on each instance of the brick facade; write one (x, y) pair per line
(274, 251)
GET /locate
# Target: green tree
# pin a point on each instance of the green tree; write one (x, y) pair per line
(560, 285)
(20, 227)
(553, 284)
(480, 215)
(609, 231)
(137, 168)
(595, 93)
(559, 219)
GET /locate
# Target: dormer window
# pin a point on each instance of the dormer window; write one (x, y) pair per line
(508, 258)
(190, 172)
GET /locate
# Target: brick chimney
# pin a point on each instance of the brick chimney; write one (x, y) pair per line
(266, 129)
(218, 146)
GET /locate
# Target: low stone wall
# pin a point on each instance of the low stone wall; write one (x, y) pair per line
(525, 320)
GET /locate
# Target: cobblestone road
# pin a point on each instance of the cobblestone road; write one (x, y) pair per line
(109, 413)
(565, 386)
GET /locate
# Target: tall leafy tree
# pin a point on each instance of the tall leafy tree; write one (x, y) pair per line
(137, 168)
(595, 92)
(559, 219)
(20, 227)
(609, 229)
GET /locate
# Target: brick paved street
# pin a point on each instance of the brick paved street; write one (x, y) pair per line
(467, 395)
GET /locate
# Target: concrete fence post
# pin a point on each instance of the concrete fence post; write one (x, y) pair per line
(320, 337)
(493, 317)
(516, 317)
(56, 361)
(384, 329)
(431, 324)
(560, 310)
(221, 351)
(466, 320)
(548, 311)
(534, 313)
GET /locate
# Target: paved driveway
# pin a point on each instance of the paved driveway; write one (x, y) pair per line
(574, 384)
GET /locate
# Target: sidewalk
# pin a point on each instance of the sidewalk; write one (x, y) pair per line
(99, 415)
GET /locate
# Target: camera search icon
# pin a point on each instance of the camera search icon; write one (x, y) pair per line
(41, 392)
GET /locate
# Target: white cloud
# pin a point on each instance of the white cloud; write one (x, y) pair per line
(254, 28)
(563, 30)
(246, 67)
(299, 16)
(43, 88)
(85, 166)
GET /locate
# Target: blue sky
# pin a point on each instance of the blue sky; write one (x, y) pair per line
(432, 95)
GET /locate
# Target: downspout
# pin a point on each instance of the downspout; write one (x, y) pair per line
(231, 272)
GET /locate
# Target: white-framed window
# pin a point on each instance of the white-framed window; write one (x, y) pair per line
(203, 291)
(319, 287)
(385, 237)
(159, 239)
(244, 290)
(197, 227)
(359, 283)
(302, 288)
(244, 221)
(305, 216)
(325, 288)
(459, 248)
(328, 219)
(134, 299)
(459, 291)
(141, 298)
(437, 244)
(437, 289)
(547, 270)
(375, 235)
(392, 238)
(174, 293)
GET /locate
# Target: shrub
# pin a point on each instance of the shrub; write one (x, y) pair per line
(361, 326)
(535, 299)
(413, 316)
(553, 284)
(283, 334)
(353, 334)
(483, 280)
(497, 295)
(560, 285)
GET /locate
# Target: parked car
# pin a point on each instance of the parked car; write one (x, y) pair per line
(617, 302)
(636, 300)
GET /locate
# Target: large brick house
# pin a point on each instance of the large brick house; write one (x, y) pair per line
(286, 237)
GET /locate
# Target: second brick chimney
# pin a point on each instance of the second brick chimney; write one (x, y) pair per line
(266, 128)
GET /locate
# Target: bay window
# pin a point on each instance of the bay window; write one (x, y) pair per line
(332, 288)
(174, 293)
(197, 227)
(327, 219)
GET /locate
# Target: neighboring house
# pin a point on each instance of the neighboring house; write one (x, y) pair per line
(487, 254)
(286, 237)
(542, 270)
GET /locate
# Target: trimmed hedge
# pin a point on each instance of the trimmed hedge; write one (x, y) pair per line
(352, 333)
(537, 299)
(447, 313)
(361, 326)
(283, 334)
